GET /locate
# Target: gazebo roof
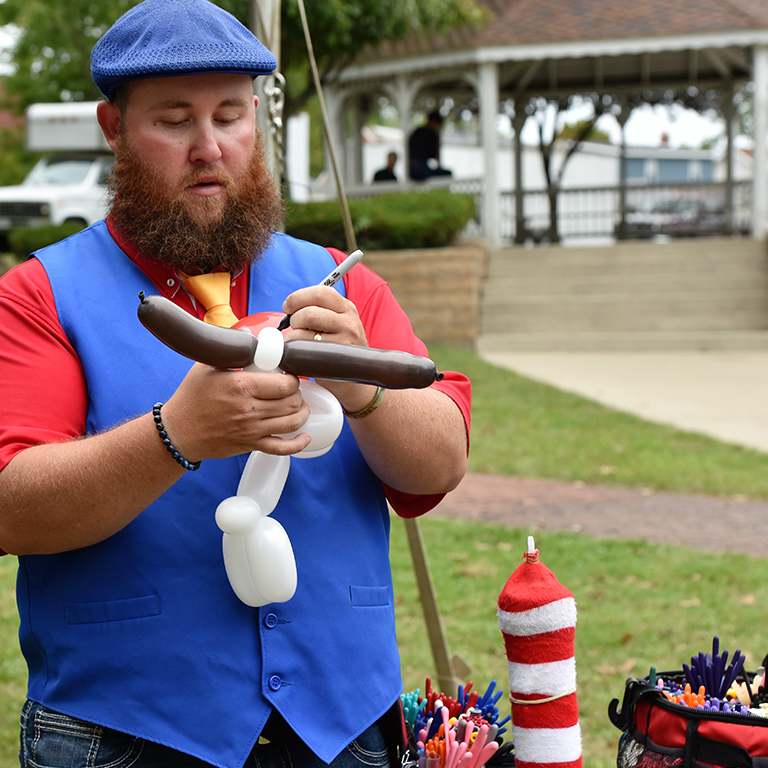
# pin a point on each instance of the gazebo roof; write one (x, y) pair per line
(527, 22)
(587, 44)
(640, 52)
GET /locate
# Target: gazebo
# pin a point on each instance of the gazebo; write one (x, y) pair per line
(561, 48)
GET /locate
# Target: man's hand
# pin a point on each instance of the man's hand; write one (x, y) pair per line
(215, 414)
(323, 310)
(416, 440)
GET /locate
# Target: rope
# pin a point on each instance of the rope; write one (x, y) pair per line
(345, 214)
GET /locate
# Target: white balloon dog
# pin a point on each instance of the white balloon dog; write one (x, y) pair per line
(258, 555)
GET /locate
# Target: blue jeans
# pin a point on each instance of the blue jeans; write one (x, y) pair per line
(51, 740)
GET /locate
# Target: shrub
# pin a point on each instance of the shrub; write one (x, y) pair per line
(429, 219)
(26, 240)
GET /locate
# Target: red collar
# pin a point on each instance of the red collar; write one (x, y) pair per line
(168, 281)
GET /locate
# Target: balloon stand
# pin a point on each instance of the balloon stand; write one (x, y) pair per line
(537, 617)
(460, 732)
(711, 712)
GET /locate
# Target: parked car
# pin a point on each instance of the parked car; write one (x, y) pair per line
(59, 189)
(69, 183)
(677, 217)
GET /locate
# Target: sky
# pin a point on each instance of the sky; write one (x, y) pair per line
(645, 126)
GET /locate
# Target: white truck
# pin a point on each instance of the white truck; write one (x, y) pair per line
(68, 185)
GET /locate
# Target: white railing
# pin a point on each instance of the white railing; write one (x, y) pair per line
(594, 212)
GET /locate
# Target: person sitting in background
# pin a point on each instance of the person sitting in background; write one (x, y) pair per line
(424, 150)
(388, 173)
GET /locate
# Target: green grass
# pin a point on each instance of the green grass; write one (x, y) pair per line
(639, 604)
(12, 666)
(528, 429)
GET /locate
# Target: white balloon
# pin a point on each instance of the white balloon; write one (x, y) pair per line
(325, 420)
(269, 350)
(258, 555)
(239, 571)
(238, 514)
(264, 478)
(271, 560)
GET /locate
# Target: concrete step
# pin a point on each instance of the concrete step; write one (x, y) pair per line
(739, 313)
(511, 287)
(674, 301)
(649, 323)
(712, 264)
(607, 341)
(631, 255)
(696, 248)
(697, 294)
(508, 291)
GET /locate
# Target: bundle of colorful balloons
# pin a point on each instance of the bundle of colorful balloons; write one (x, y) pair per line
(461, 732)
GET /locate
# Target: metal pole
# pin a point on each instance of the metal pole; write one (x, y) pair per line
(446, 675)
(264, 22)
(445, 665)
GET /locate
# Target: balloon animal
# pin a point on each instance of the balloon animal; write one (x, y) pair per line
(258, 556)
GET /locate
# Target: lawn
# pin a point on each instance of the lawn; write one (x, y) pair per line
(527, 429)
(638, 604)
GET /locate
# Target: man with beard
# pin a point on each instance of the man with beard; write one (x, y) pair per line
(139, 653)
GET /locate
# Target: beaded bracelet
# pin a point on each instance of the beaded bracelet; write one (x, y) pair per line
(370, 408)
(171, 448)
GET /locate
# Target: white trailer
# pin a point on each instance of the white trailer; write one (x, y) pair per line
(67, 185)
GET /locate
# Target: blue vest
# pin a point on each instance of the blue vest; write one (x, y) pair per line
(142, 632)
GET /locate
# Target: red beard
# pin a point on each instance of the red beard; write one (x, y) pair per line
(164, 227)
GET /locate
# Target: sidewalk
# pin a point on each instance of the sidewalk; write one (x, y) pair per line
(720, 394)
(724, 395)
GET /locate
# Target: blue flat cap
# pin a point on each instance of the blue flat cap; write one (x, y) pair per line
(163, 38)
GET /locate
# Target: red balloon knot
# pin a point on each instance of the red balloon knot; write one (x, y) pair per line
(531, 557)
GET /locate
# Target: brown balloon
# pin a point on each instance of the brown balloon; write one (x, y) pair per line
(235, 348)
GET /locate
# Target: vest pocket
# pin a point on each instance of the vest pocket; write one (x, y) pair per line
(368, 596)
(112, 610)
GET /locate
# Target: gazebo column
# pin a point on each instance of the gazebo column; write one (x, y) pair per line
(354, 145)
(334, 105)
(729, 114)
(518, 121)
(621, 119)
(759, 188)
(489, 108)
(402, 94)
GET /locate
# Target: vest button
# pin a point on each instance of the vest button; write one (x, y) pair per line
(275, 683)
(270, 621)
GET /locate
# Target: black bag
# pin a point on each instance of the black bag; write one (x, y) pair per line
(658, 732)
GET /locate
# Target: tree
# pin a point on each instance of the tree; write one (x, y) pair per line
(52, 56)
(51, 60)
(341, 29)
(571, 132)
(548, 112)
(552, 135)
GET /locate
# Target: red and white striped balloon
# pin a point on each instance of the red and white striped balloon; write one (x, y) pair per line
(537, 616)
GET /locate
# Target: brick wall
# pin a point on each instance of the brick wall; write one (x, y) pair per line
(439, 289)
